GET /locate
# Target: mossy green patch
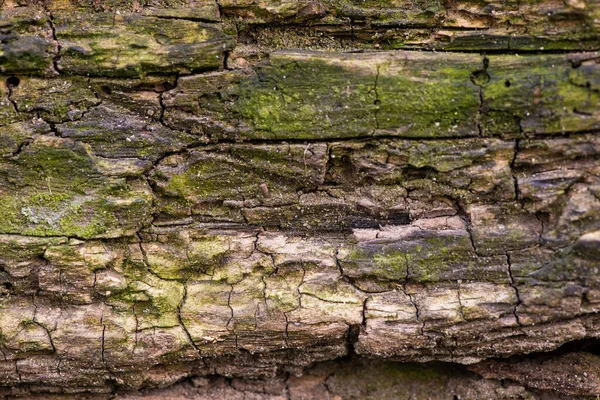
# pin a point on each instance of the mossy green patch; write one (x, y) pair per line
(155, 300)
(538, 95)
(320, 95)
(53, 189)
(56, 100)
(129, 44)
(308, 99)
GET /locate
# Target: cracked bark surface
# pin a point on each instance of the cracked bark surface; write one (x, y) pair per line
(289, 199)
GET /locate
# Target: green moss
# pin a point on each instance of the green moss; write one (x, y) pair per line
(545, 93)
(315, 95)
(202, 179)
(155, 300)
(56, 100)
(128, 44)
(308, 99)
(391, 263)
(55, 190)
(430, 257)
(237, 173)
(182, 260)
(55, 215)
(388, 263)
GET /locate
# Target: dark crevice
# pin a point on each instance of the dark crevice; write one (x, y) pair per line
(20, 148)
(417, 311)
(376, 102)
(202, 144)
(512, 170)
(56, 57)
(460, 304)
(206, 21)
(515, 288)
(286, 389)
(231, 310)
(182, 324)
(464, 215)
(352, 335)
(11, 83)
(480, 78)
(543, 218)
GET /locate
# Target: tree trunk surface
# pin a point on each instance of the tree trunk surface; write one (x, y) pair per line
(283, 199)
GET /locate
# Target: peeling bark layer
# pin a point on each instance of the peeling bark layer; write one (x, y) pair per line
(192, 190)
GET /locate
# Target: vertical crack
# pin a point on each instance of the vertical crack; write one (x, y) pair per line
(539, 217)
(137, 324)
(364, 312)
(180, 320)
(35, 309)
(479, 79)
(286, 389)
(103, 332)
(512, 171)
(231, 309)
(462, 213)
(287, 322)
(161, 102)
(220, 8)
(412, 301)
(460, 304)
(57, 44)
(286, 333)
(417, 311)
(264, 292)
(11, 83)
(103, 349)
(17, 371)
(376, 102)
(515, 288)
(328, 164)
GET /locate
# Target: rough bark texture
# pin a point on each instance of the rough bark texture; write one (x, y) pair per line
(291, 199)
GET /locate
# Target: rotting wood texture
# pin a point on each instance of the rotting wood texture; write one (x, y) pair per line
(192, 189)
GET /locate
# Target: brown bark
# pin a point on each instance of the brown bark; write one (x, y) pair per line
(289, 199)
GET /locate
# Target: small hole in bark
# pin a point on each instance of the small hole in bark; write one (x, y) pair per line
(167, 85)
(480, 77)
(455, 397)
(12, 81)
(507, 83)
(106, 89)
(377, 102)
(588, 85)
(8, 285)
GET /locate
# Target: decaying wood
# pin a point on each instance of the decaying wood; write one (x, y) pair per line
(252, 189)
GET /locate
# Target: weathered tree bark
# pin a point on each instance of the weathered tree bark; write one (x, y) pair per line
(291, 199)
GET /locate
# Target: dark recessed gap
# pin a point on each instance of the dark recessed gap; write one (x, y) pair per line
(507, 83)
(167, 85)
(106, 89)
(12, 82)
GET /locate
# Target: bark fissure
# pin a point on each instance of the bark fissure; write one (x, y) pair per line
(513, 284)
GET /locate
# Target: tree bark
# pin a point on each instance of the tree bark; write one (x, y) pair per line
(296, 199)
